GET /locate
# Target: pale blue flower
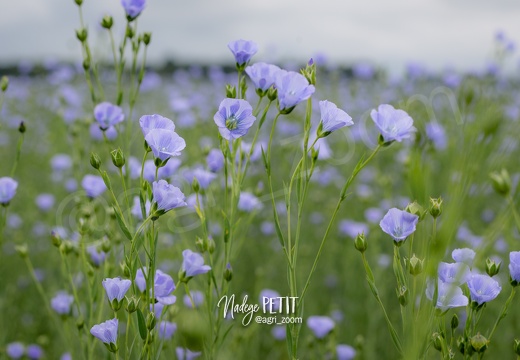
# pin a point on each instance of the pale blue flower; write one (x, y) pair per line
(393, 124)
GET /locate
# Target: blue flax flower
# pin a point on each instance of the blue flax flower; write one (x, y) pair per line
(454, 273)
(166, 197)
(107, 332)
(108, 115)
(62, 303)
(152, 122)
(399, 224)
(262, 75)
(234, 118)
(393, 124)
(464, 255)
(483, 288)
(165, 143)
(332, 118)
(8, 188)
(514, 266)
(293, 88)
(116, 289)
(133, 8)
(448, 295)
(321, 326)
(243, 50)
(193, 264)
(93, 185)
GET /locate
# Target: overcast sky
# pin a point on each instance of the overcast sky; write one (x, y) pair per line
(388, 33)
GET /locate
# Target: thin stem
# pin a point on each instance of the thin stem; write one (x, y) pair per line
(503, 313)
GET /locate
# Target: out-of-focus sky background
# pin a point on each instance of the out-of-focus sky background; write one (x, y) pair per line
(436, 33)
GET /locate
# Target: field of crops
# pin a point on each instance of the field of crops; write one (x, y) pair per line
(285, 212)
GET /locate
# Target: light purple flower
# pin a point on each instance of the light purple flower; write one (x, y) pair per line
(393, 124)
(448, 295)
(345, 352)
(116, 288)
(193, 263)
(93, 185)
(166, 330)
(97, 134)
(248, 202)
(165, 143)
(243, 50)
(215, 160)
(107, 115)
(140, 280)
(262, 75)
(34, 352)
(167, 196)
(163, 287)
(96, 256)
(155, 122)
(321, 326)
(62, 303)
(106, 331)
(455, 273)
(332, 118)
(197, 296)
(61, 162)
(514, 265)
(234, 118)
(435, 132)
(186, 354)
(352, 228)
(399, 224)
(293, 88)
(203, 177)
(136, 208)
(483, 288)
(464, 255)
(278, 332)
(133, 8)
(15, 350)
(8, 188)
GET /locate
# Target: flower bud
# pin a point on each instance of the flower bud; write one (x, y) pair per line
(231, 91)
(150, 321)
(200, 244)
(147, 37)
(228, 273)
(310, 72)
(501, 182)
(129, 32)
(95, 161)
(86, 64)
(80, 322)
(195, 185)
(402, 295)
(516, 347)
(4, 83)
(437, 341)
(211, 245)
(22, 250)
(492, 268)
(21, 127)
(415, 265)
(435, 207)
(107, 22)
(272, 94)
(360, 243)
(82, 34)
(454, 322)
(55, 238)
(416, 209)
(132, 304)
(479, 343)
(118, 158)
(461, 345)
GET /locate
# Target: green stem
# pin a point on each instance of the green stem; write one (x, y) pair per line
(503, 313)
(18, 152)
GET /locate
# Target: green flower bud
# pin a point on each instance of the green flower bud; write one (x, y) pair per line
(150, 321)
(22, 250)
(80, 322)
(78, 2)
(435, 207)
(310, 72)
(21, 127)
(86, 64)
(416, 209)
(195, 185)
(107, 22)
(454, 321)
(82, 34)
(437, 340)
(147, 37)
(56, 239)
(211, 245)
(132, 304)
(228, 273)
(129, 32)
(479, 343)
(492, 268)
(461, 345)
(231, 91)
(402, 295)
(95, 161)
(516, 347)
(118, 158)
(4, 83)
(501, 181)
(360, 243)
(415, 265)
(272, 94)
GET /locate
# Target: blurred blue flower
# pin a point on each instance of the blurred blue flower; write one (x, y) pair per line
(352, 228)
(448, 295)
(454, 273)
(106, 331)
(248, 202)
(436, 133)
(293, 88)
(62, 303)
(15, 350)
(398, 224)
(193, 263)
(464, 255)
(96, 256)
(262, 75)
(186, 354)
(278, 332)
(514, 265)
(332, 118)
(61, 162)
(345, 352)
(165, 143)
(8, 188)
(234, 118)
(243, 50)
(483, 288)
(163, 287)
(321, 326)
(203, 177)
(215, 160)
(393, 124)
(45, 201)
(93, 185)
(197, 296)
(107, 115)
(166, 330)
(133, 8)
(34, 352)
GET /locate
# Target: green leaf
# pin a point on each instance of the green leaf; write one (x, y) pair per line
(122, 225)
(142, 324)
